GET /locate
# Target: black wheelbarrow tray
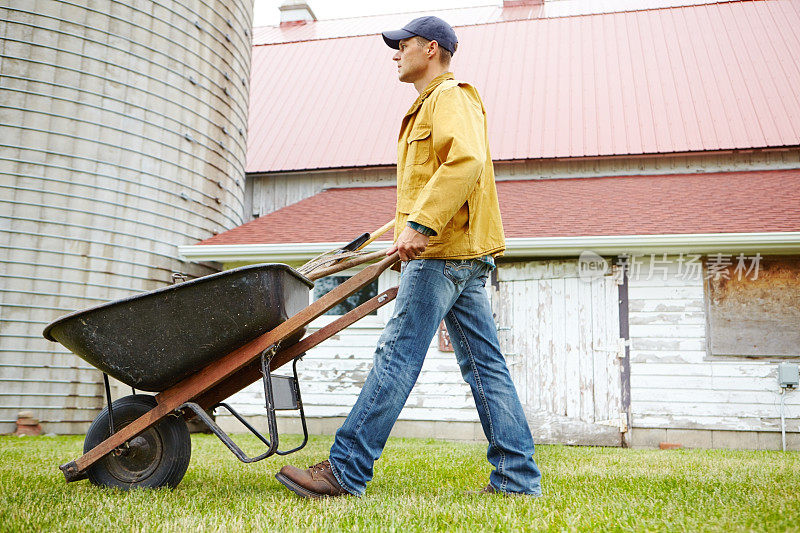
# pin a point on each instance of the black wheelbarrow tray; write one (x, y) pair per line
(195, 344)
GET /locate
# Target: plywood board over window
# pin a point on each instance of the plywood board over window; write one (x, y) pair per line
(753, 305)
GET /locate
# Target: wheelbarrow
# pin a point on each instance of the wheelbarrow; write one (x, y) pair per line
(195, 344)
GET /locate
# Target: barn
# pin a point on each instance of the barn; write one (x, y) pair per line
(648, 167)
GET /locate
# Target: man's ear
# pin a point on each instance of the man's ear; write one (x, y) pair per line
(432, 46)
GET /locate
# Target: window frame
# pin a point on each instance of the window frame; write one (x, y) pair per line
(385, 280)
(712, 330)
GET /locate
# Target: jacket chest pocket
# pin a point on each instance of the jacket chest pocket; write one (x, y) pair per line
(419, 145)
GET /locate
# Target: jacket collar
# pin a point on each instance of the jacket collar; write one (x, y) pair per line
(435, 82)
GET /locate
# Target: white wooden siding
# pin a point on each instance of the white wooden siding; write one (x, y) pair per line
(269, 192)
(675, 383)
(635, 166)
(560, 337)
(332, 374)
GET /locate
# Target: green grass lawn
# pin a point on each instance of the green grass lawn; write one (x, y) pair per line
(419, 485)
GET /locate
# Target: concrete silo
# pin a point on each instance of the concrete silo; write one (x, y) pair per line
(122, 136)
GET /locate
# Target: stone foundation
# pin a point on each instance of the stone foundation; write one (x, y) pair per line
(472, 432)
(707, 438)
(452, 431)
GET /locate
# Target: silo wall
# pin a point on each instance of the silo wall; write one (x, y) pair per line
(122, 137)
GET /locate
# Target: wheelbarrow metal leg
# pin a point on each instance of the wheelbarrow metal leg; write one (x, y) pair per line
(108, 403)
(226, 439)
(302, 413)
(272, 422)
(216, 372)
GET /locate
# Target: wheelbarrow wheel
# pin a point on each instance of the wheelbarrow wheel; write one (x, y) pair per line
(156, 458)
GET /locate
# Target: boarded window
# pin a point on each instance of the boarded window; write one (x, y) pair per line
(755, 313)
(325, 285)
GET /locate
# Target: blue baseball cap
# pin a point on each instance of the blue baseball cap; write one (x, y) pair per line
(430, 28)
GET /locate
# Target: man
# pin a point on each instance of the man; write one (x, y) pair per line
(448, 230)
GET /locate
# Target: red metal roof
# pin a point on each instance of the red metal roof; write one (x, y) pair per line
(711, 77)
(724, 202)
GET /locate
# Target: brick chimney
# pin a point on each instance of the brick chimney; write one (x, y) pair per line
(296, 12)
(522, 3)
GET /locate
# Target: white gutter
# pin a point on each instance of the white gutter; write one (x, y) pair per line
(763, 243)
(267, 253)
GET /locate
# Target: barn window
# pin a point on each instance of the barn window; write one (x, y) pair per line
(324, 285)
(753, 309)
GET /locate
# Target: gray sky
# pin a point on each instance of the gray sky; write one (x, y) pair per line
(266, 11)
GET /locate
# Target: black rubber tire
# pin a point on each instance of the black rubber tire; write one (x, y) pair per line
(158, 457)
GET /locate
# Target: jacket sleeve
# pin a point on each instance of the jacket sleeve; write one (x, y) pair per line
(459, 143)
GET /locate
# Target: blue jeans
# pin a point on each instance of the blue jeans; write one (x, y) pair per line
(430, 290)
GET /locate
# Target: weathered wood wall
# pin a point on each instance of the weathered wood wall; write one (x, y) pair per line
(675, 383)
(559, 334)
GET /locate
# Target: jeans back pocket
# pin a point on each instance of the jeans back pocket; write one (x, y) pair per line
(461, 270)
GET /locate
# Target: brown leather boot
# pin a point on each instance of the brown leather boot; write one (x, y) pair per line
(488, 489)
(317, 481)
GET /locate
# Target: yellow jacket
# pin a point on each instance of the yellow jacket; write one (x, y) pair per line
(445, 178)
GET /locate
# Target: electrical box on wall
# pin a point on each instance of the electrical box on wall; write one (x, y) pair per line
(788, 375)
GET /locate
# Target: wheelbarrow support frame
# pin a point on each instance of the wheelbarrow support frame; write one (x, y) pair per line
(271, 407)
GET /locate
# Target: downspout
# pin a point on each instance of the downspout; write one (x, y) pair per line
(625, 364)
